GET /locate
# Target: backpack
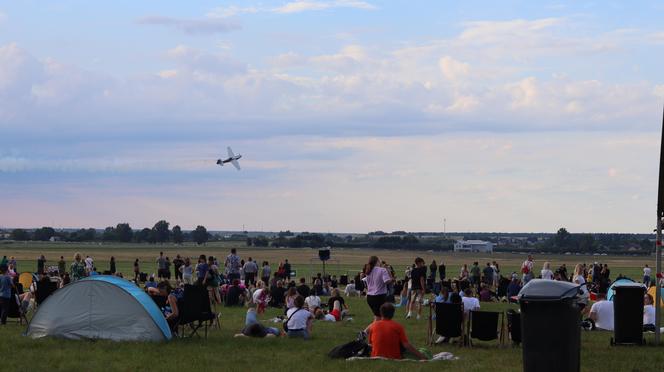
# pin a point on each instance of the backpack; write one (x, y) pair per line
(350, 349)
(525, 269)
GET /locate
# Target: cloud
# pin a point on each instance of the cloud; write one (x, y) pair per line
(192, 26)
(298, 6)
(3, 17)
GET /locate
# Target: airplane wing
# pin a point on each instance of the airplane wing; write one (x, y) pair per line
(236, 164)
(230, 152)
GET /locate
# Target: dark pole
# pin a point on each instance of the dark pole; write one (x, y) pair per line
(658, 245)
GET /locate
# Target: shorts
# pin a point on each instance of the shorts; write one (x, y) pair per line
(416, 296)
(375, 302)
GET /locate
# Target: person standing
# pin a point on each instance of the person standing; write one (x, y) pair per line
(77, 269)
(112, 267)
(5, 294)
(376, 279)
(161, 266)
(546, 271)
(62, 266)
(187, 271)
(527, 269)
(441, 271)
(265, 273)
(177, 263)
(287, 269)
(137, 270)
(433, 268)
(646, 276)
(417, 276)
(250, 272)
(233, 265)
(89, 264)
(475, 275)
(41, 262)
(488, 274)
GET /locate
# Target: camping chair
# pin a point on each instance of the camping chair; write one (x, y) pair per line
(15, 311)
(44, 290)
(514, 326)
(483, 325)
(195, 312)
(449, 321)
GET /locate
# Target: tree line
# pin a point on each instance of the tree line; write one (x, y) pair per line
(121, 233)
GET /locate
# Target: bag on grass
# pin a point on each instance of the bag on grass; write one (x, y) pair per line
(351, 349)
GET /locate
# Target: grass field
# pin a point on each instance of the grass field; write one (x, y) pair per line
(223, 352)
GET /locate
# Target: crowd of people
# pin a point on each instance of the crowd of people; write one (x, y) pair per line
(233, 281)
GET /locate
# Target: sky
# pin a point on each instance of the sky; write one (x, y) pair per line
(351, 116)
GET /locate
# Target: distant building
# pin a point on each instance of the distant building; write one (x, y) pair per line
(473, 246)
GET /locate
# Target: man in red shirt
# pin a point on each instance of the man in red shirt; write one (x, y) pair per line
(387, 337)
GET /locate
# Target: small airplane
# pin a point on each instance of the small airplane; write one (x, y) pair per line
(232, 158)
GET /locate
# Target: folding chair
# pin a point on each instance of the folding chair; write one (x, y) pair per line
(15, 311)
(44, 290)
(449, 321)
(514, 326)
(195, 312)
(483, 325)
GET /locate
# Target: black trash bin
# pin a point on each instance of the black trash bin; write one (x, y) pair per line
(628, 313)
(550, 326)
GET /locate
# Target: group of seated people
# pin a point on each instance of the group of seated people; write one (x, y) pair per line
(601, 316)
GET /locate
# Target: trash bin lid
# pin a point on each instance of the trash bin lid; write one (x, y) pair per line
(548, 290)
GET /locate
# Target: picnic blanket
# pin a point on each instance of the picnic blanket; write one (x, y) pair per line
(440, 356)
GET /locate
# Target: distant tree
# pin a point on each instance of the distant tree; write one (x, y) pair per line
(563, 239)
(285, 233)
(261, 241)
(200, 235)
(161, 232)
(144, 235)
(178, 238)
(44, 233)
(123, 232)
(109, 234)
(587, 243)
(399, 232)
(249, 242)
(378, 233)
(20, 234)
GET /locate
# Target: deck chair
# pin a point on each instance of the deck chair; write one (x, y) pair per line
(44, 290)
(15, 310)
(484, 326)
(449, 321)
(195, 311)
(514, 326)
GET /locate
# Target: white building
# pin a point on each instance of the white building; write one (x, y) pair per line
(473, 246)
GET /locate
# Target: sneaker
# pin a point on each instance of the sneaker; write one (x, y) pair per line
(439, 340)
(408, 316)
(418, 317)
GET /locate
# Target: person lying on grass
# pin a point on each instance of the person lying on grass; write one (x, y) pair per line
(388, 338)
(253, 328)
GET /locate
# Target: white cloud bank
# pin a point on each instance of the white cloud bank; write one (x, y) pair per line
(297, 6)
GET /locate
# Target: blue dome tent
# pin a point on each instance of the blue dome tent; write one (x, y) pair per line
(100, 307)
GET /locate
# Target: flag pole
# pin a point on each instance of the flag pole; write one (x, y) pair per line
(658, 244)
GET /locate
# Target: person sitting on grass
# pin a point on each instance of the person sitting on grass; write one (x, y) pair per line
(260, 297)
(350, 290)
(470, 303)
(253, 328)
(323, 316)
(312, 302)
(150, 283)
(337, 297)
(299, 320)
(601, 313)
(277, 294)
(235, 295)
(289, 298)
(303, 289)
(648, 313)
(388, 338)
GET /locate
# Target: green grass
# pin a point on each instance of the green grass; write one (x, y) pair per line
(223, 352)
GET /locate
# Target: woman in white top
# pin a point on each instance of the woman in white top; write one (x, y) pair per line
(299, 320)
(648, 313)
(187, 271)
(546, 271)
(581, 281)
